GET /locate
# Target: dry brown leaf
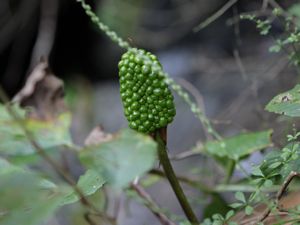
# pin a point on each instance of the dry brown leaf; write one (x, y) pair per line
(97, 136)
(43, 92)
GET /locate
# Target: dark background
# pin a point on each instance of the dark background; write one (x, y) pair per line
(78, 47)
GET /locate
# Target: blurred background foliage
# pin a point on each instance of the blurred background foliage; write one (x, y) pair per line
(226, 67)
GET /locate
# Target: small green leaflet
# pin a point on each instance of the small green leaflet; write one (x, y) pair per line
(239, 146)
(281, 162)
(121, 160)
(287, 103)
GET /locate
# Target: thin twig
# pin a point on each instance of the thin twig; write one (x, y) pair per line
(87, 217)
(253, 220)
(151, 205)
(199, 99)
(257, 13)
(207, 189)
(264, 5)
(269, 74)
(206, 123)
(285, 185)
(185, 155)
(194, 92)
(280, 193)
(215, 16)
(193, 183)
(236, 26)
(267, 212)
(117, 206)
(239, 63)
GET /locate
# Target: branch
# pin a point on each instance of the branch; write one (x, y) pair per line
(154, 208)
(184, 155)
(88, 219)
(193, 183)
(215, 16)
(199, 100)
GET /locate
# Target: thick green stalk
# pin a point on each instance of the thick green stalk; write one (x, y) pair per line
(170, 174)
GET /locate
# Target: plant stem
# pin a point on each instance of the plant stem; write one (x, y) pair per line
(229, 171)
(217, 188)
(170, 174)
(193, 183)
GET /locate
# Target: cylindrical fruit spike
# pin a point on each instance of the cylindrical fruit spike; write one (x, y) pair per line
(147, 101)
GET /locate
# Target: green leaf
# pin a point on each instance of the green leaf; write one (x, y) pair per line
(52, 133)
(218, 222)
(275, 165)
(248, 210)
(121, 160)
(6, 167)
(240, 196)
(268, 183)
(239, 146)
(236, 205)
(287, 159)
(218, 216)
(229, 214)
(5, 115)
(88, 183)
(48, 134)
(256, 171)
(263, 26)
(275, 48)
(287, 103)
(24, 196)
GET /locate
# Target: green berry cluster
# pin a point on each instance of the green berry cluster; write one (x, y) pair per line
(148, 102)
